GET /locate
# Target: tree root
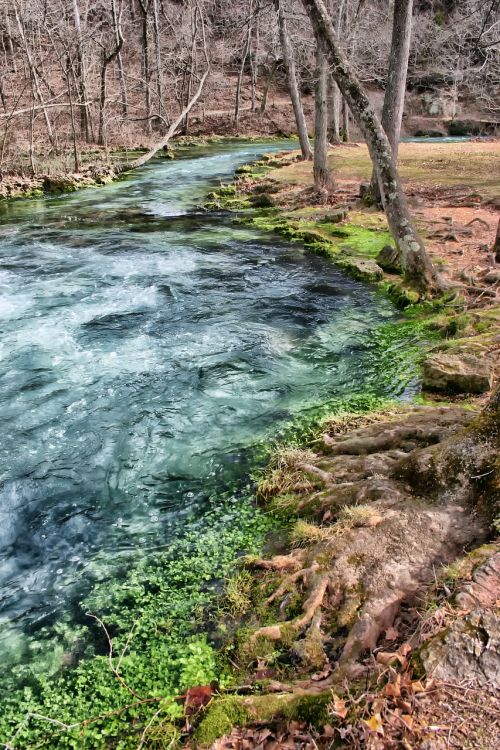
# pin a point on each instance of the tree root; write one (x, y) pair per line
(325, 476)
(278, 563)
(287, 584)
(317, 590)
(416, 476)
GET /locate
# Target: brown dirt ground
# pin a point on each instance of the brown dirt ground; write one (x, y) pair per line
(453, 191)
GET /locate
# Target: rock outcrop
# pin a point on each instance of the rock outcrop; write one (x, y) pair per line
(462, 372)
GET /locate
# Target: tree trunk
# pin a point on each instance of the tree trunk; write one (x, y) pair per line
(101, 137)
(171, 131)
(2, 95)
(107, 59)
(322, 179)
(417, 265)
(496, 245)
(254, 63)
(32, 148)
(333, 111)
(267, 86)
(192, 67)
(293, 88)
(146, 69)
(85, 117)
(346, 133)
(394, 99)
(121, 72)
(156, 37)
(76, 155)
(246, 50)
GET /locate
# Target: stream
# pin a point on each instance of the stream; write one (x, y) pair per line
(145, 348)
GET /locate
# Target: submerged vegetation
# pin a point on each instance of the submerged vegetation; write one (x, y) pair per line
(155, 617)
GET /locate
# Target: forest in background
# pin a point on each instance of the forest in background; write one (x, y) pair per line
(79, 74)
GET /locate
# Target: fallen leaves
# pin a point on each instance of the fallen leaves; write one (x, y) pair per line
(338, 707)
(374, 724)
(294, 737)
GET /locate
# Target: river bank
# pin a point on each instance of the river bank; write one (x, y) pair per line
(55, 175)
(176, 633)
(367, 615)
(150, 352)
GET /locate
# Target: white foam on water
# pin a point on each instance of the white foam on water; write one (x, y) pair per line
(171, 263)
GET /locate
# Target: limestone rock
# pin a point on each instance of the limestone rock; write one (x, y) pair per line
(59, 184)
(363, 269)
(457, 373)
(468, 651)
(335, 217)
(389, 258)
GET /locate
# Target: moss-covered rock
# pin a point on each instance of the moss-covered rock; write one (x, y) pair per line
(363, 269)
(59, 184)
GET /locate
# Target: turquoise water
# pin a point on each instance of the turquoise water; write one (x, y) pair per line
(145, 348)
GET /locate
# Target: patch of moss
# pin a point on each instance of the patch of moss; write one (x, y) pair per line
(220, 717)
(402, 295)
(261, 200)
(223, 714)
(311, 709)
(237, 599)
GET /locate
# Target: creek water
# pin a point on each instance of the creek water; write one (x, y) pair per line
(145, 348)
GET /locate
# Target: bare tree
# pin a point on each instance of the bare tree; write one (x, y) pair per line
(289, 62)
(322, 178)
(107, 59)
(34, 74)
(81, 74)
(119, 60)
(182, 116)
(244, 56)
(416, 262)
(392, 112)
(146, 67)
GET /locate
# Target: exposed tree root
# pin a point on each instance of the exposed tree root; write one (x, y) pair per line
(279, 563)
(290, 580)
(411, 481)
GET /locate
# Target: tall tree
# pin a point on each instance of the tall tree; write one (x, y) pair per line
(34, 75)
(394, 99)
(81, 74)
(107, 59)
(322, 178)
(289, 62)
(146, 65)
(246, 50)
(417, 265)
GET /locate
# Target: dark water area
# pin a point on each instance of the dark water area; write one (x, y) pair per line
(145, 348)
